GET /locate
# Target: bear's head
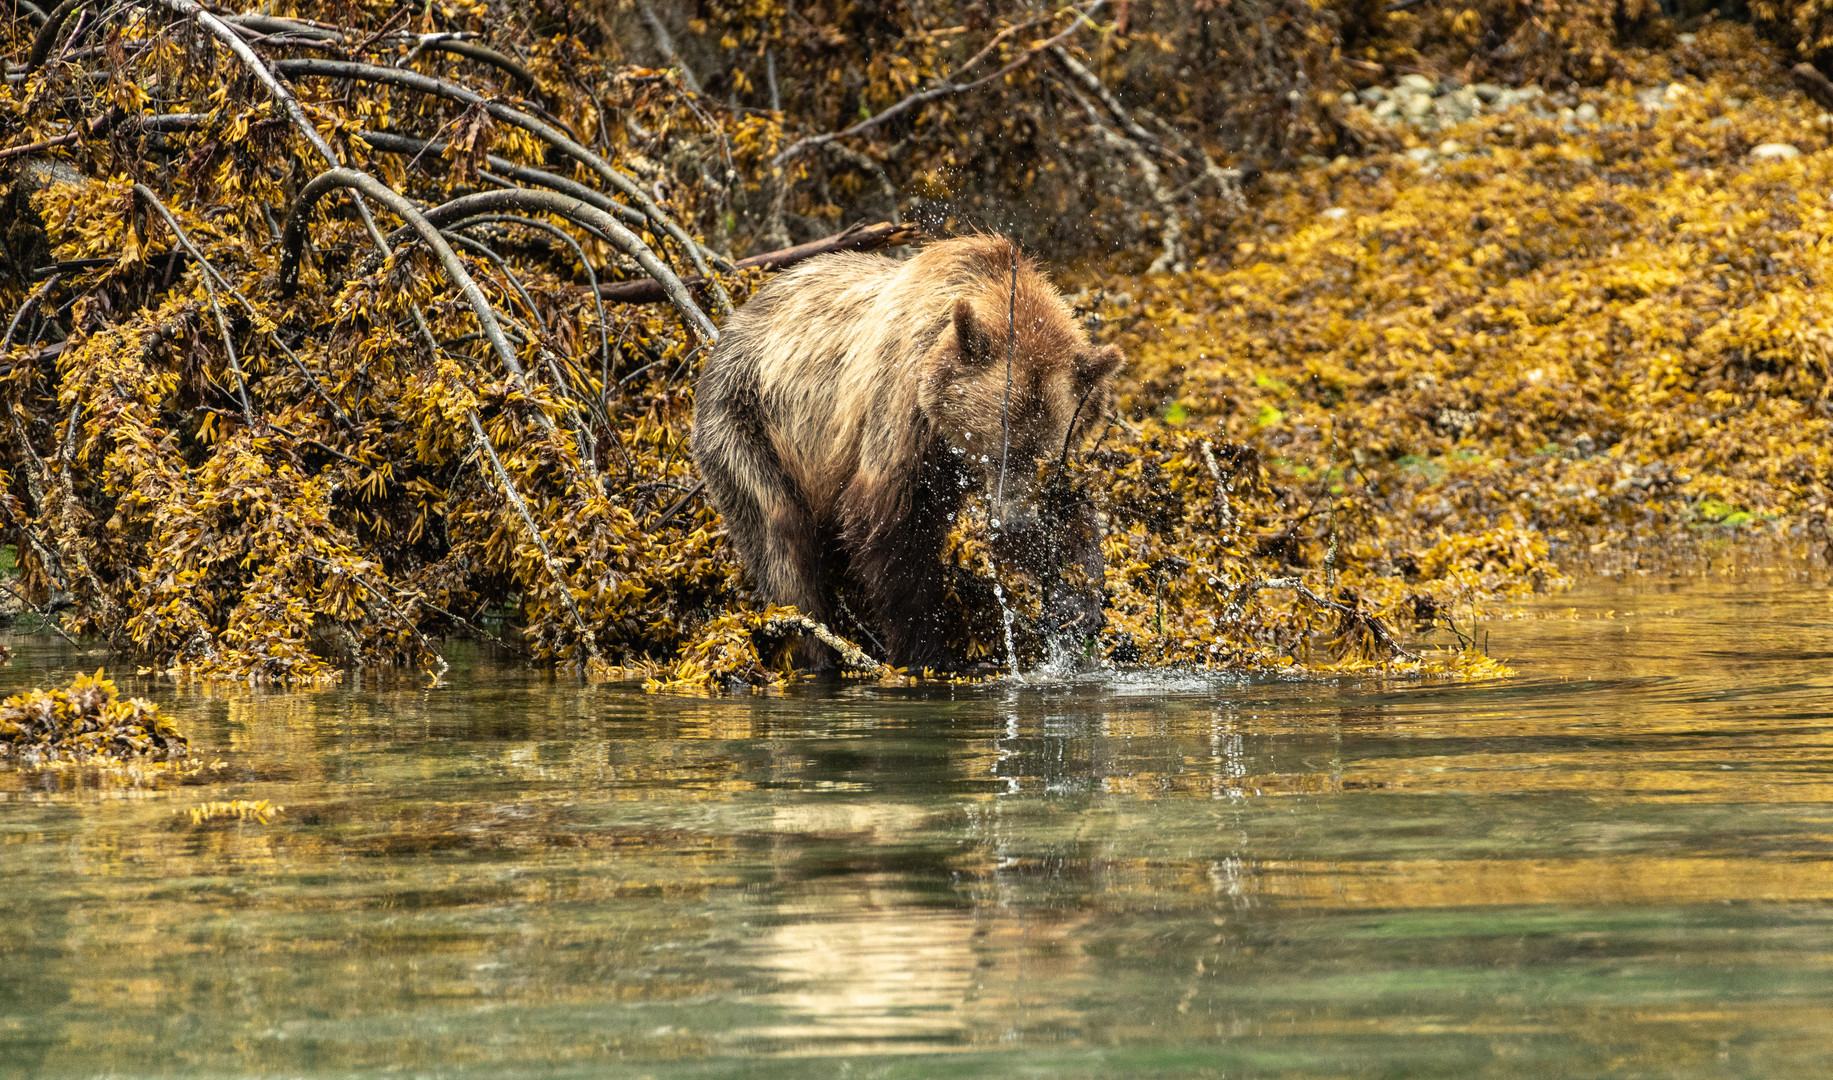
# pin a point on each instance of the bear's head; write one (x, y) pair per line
(1013, 382)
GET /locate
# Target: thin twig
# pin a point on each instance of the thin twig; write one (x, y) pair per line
(31, 301)
(1005, 404)
(31, 148)
(668, 514)
(145, 194)
(382, 594)
(936, 93)
(40, 612)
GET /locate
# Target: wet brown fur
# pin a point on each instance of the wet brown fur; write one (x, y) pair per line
(850, 407)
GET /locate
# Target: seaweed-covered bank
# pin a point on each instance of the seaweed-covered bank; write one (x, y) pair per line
(317, 373)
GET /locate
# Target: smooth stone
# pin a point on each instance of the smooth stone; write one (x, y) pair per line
(1586, 113)
(1336, 213)
(1774, 151)
(1420, 83)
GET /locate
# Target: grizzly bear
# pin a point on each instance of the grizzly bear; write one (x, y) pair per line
(853, 404)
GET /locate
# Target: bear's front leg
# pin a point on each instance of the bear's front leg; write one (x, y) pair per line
(902, 575)
(894, 536)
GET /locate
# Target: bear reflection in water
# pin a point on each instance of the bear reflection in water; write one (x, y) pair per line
(853, 405)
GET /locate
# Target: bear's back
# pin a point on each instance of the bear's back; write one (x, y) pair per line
(827, 356)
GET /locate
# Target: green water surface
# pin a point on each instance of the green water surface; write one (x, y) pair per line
(1617, 864)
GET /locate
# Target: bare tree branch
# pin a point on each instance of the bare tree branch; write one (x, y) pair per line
(860, 237)
(426, 84)
(948, 88)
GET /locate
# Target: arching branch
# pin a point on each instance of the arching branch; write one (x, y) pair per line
(293, 238)
(276, 89)
(393, 143)
(426, 84)
(485, 202)
(604, 335)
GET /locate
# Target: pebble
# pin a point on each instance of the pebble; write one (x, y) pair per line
(1421, 154)
(1336, 213)
(1420, 83)
(1774, 151)
(1586, 113)
(1451, 146)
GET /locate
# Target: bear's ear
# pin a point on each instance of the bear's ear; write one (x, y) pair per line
(1093, 369)
(975, 346)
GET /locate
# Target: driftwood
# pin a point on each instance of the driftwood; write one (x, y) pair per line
(860, 237)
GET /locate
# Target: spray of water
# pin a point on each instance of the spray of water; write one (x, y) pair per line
(1006, 617)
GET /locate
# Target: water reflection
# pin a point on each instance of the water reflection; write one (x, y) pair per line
(1617, 864)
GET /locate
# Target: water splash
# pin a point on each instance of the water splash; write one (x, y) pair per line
(1006, 618)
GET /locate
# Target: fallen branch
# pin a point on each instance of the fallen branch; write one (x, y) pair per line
(382, 594)
(852, 657)
(585, 264)
(665, 44)
(25, 309)
(146, 195)
(859, 237)
(47, 35)
(561, 583)
(669, 514)
(293, 239)
(47, 144)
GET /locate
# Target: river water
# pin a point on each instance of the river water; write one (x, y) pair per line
(1618, 863)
